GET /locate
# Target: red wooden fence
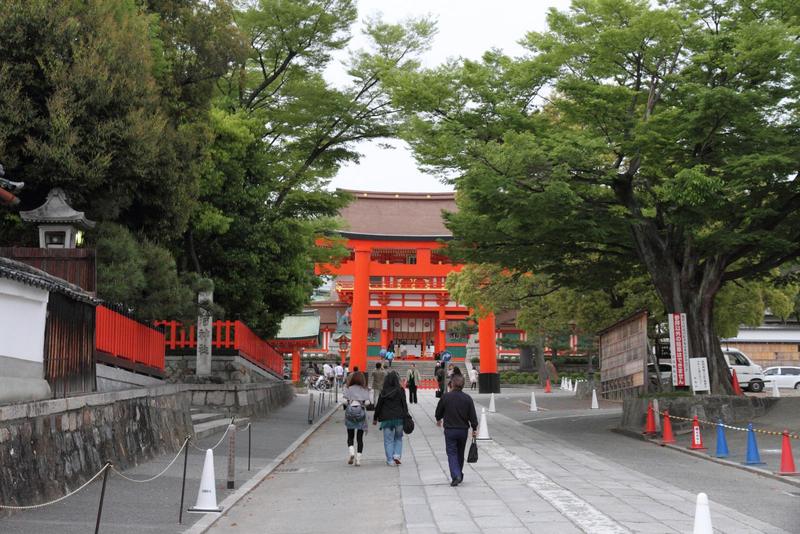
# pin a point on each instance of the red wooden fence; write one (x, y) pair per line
(130, 340)
(226, 335)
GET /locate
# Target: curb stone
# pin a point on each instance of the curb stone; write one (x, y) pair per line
(209, 519)
(787, 479)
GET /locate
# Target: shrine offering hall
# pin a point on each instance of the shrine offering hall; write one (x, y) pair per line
(392, 285)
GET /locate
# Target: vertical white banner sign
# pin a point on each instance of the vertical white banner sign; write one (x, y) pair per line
(678, 347)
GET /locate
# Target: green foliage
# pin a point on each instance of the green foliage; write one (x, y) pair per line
(634, 140)
(140, 276)
(81, 109)
(203, 126)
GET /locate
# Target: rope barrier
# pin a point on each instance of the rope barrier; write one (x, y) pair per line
(218, 443)
(731, 427)
(245, 428)
(42, 505)
(116, 472)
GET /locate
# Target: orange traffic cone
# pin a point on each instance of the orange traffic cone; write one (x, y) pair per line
(667, 435)
(650, 425)
(787, 460)
(737, 389)
(697, 439)
(547, 388)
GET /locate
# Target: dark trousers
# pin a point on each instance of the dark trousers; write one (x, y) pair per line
(455, 441)
(412, 394)
(359, 435)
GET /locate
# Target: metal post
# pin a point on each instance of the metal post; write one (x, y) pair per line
(102, 497)
(231, 456)
(310, 407)
(183, 483)
(249, 443)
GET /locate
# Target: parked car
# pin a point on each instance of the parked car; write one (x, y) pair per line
(750, 375)
(786, 376)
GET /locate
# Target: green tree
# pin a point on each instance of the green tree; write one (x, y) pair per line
(279, 134)
(81, 109)
(140, 276)
(633, 137)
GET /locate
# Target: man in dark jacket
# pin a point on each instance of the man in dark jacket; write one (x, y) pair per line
(457, 410)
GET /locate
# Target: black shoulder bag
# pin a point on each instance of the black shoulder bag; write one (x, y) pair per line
(472, 457)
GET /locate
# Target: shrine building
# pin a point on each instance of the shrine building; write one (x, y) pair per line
(390, 291)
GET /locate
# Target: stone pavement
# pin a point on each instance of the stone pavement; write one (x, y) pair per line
(525, 481)
(152, 507)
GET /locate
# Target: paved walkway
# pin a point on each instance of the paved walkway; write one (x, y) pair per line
(525, 481)
(132, 508)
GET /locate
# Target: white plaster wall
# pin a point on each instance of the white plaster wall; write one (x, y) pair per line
(23, 312)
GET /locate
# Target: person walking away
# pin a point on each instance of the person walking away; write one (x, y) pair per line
(440, 375)
(378, 377)
(338, 371)
(327, 371)
(473, 378)
(456, 412)
(390, 411)
(454, 370)
(413, 379)
(389, 357)
(356, 396)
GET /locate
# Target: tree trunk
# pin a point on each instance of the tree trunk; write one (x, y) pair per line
(703, 341)
(190, 250)
(525, 358)
(540, 363)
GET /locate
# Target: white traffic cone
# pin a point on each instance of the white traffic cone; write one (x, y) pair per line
(533, 402)
(775, 392)
(595, 405)
(491, 404)
(483, 428)
(702, 516)
(207, 494)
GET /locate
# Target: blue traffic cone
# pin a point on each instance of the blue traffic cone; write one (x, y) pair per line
(722, 443)
(752, 457)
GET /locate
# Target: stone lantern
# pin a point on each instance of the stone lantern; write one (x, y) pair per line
(60, 226)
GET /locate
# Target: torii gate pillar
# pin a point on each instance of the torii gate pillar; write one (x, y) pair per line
(488, 379)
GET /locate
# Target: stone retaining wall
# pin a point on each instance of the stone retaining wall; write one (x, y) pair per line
(48, 448)
(709, 407)
(242, 399)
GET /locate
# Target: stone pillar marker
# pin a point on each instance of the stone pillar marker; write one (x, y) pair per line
(204, 333)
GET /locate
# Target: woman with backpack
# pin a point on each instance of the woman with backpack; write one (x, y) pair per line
(356, 397)
(391, 410)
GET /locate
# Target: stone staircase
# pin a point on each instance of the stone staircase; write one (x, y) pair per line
(427, 368)
(210, 423)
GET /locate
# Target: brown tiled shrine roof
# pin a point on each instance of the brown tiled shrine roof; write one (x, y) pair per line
(397, 214)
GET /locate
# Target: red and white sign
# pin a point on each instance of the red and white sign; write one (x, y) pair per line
(678, 347)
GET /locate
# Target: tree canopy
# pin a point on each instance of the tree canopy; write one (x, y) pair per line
(632, 139)
(202, 128)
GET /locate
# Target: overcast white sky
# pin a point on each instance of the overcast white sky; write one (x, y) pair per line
(467, 28)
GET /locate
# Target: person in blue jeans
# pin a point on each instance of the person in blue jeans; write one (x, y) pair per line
(390, 410)
(456, 411)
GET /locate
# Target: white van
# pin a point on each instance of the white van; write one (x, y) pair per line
(750, 375)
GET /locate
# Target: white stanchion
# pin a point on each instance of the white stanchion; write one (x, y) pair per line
(491, 404)
(595, 405)
(702, 516)
(775, 391)
(533, 402)
(207, 494)
(483, 428)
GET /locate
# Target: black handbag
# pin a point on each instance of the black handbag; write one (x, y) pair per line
(408, 424)
(472, 457)
(438, 393)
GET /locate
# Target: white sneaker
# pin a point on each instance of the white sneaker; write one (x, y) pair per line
(352, 454)
(358, 458)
